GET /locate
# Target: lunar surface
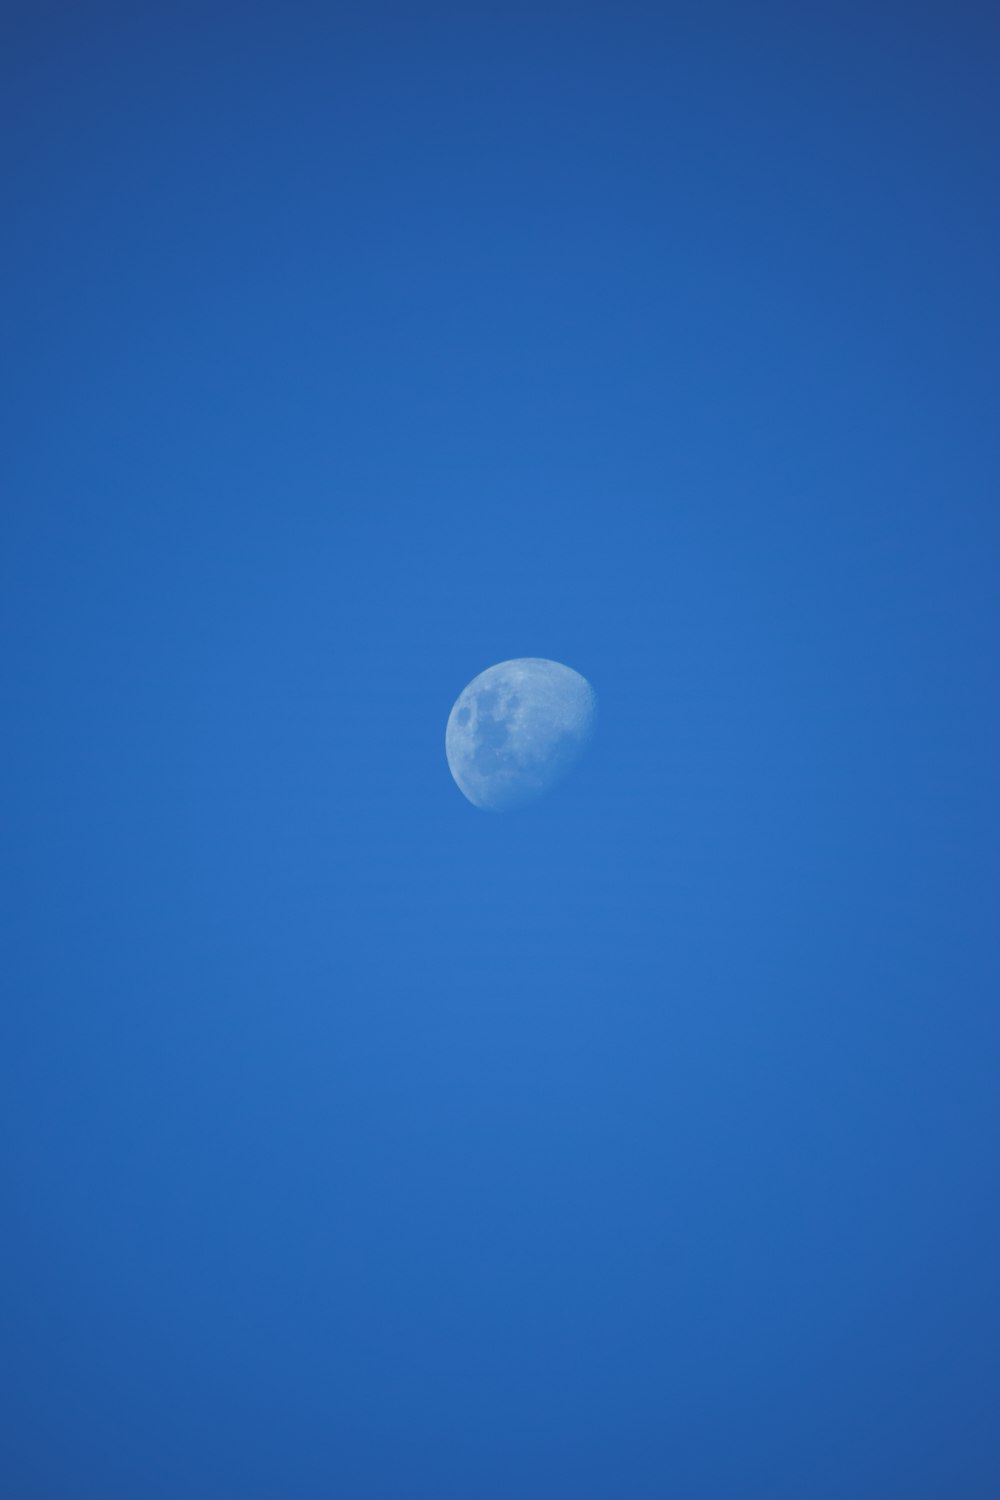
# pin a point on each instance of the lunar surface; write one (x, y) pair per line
(517, 729)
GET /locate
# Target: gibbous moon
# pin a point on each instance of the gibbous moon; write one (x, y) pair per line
(517, 729)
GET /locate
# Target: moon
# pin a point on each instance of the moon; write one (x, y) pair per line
(517, 729)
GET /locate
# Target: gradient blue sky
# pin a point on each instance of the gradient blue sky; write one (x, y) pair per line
(356, 1142)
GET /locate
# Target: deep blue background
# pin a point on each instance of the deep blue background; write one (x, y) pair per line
(356, 1142)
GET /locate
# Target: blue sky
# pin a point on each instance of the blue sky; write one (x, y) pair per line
(643, 1142)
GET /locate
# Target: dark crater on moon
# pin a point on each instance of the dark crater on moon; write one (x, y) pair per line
(491, 735)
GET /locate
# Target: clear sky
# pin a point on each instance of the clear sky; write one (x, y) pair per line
(356, 1142)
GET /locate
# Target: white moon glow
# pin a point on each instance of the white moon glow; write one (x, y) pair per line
(517, 729)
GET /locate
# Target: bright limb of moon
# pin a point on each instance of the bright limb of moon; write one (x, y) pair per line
(517, 729)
